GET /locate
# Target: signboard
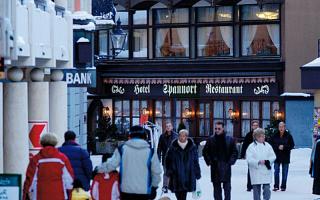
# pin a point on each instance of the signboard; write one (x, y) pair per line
(191, 90)
(80, 77)
(2, 74)
(36, 129)
(10, 186)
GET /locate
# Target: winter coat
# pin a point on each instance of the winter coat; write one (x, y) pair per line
(79, 194)
(283, 156)
(182, 167)
(165, 141)
(256, 151)
(248, 139)
(105, 186)
(220, 160)
(80, 162)
(140, 169)
(49, 176)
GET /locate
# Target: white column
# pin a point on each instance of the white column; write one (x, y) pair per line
(38, 103)
(58, 105)
(15, 123)
(1, 128)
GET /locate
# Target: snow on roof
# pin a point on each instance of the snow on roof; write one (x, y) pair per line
(314, 63)
(83, 39)
(88, 27)
(82, 15)
(290, 94)
(104, 22)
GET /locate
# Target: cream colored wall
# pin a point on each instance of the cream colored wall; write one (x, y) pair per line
(301, 34)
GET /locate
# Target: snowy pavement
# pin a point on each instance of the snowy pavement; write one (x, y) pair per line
(299, 185)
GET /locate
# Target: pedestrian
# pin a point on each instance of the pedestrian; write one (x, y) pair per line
(220, 153)
(105, 186)
(260, 157)
(182, 165)
(79, 158)
(165, 141)
(140, 168)
(315, 166)
(78, 192)
(246, 142)
(282, 143)
(49, 174)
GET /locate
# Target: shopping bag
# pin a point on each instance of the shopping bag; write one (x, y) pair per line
(197, 194)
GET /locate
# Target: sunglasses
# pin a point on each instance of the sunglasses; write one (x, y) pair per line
(217, 129)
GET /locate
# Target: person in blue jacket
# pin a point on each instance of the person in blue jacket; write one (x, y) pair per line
(79, 158)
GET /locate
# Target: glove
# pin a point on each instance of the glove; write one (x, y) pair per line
(267, 164)
(153, 194)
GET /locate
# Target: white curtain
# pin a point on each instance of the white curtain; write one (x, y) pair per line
(248, 33)
(182, 16)
(184, 38)
(274, 33)
(160, 35)
(203, 36)
(226, 32)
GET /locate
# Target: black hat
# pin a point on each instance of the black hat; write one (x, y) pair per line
(137, 132)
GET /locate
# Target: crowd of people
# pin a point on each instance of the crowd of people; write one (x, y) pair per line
(134, 170)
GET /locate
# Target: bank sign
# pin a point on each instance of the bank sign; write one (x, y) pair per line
(80, 77)
(191, 90)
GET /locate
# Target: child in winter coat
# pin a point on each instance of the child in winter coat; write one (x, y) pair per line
(105, 186)
(260, 157)
(78, 192)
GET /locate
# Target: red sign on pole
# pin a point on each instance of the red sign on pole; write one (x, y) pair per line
(36, 129)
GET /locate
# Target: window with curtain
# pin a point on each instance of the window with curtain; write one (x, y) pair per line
(137, 110)
(220, 113)
(103, 43)
(140, 34)
(183, 111)
(204, 119)
(260, 30)
(122, 115)
(171, 42)
(163, 113)
(215, 35)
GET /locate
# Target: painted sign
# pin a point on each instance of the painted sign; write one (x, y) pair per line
(10, 186)
(191, 90)
(80, 77)
(36, 129)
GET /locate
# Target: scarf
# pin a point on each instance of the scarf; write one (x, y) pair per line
(182, 145)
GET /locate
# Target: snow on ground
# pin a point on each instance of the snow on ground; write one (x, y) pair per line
(299, 185)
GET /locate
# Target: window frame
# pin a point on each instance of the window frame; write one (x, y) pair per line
(134, 27)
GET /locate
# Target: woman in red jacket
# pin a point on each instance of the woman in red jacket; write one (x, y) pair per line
(49, 174)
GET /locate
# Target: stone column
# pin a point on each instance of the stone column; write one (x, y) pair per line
(58, 105)
(15, 123)
(38, 104)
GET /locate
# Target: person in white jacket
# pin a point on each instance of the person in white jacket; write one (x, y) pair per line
(260, 157)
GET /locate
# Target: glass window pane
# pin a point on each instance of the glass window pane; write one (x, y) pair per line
(159, 122)
(268, 12)
(118, 123)
(218, 109)
(178, 110)
(123, 17)
(265, 123)
(126, 124)
(245, 127)
(185, 109)
(227, 105)
(202, 128)
(229, 128)
(215, 41)
(255, 110)
(207, 122)
(117, 108)
(103, 41)
(266, 110)
(140, 43)
(172, 42)
(210, 14)
(158, 108)
(144, 104)
(167, 109)
(166, 16)
(135, 121)
(126, 108)
(275, 106)
(261, 40)
(135, 108)
(207, 110)
(201, 110)
(246, 110)
(140, 17)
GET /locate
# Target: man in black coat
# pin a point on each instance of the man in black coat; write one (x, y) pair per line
(165, 141)
(282, 144)
(220, 153)
(246, 142)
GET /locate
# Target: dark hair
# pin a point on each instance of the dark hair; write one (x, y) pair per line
(220, 123)
(138, 132)
(69, 135)
(77, 184)
(255, 121)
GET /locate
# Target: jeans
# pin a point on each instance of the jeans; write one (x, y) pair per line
(285, 169)
(217, 191)
(257, 191)
(181, 195)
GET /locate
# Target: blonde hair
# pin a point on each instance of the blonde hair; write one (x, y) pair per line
(184, 131)
(257, 132)
(49, 139)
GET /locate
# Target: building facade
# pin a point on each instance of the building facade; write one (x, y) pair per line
(198, 62)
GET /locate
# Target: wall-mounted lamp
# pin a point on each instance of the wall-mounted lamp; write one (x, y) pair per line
(145, 111)
(278, 115)
(233, 115)
(106, 112)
